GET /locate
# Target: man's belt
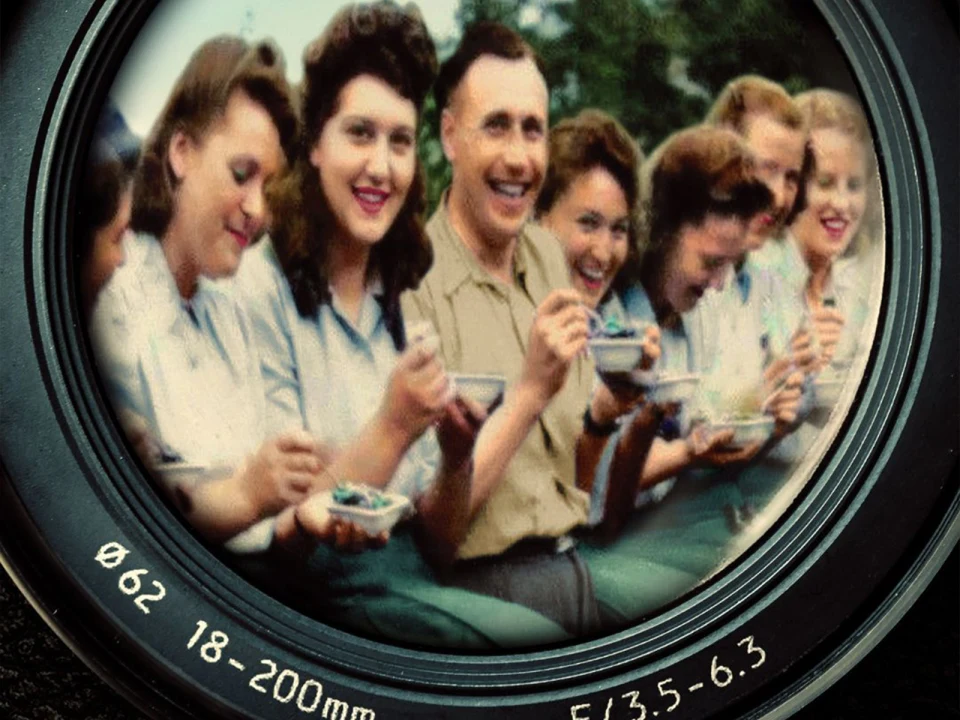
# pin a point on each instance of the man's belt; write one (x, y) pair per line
(526, 548)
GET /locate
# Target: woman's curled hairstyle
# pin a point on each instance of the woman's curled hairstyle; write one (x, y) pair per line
(594, 139)
(697, 172)
(216, 70)
(831, 110)
(392, 44)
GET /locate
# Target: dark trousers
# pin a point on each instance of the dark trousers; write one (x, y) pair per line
(533, 574)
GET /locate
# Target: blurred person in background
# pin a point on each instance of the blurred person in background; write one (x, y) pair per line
(832, 251)
(104, 203)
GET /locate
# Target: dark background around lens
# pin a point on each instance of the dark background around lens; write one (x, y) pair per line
(913, 674)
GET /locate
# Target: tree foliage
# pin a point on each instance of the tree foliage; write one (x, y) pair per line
(656, 65)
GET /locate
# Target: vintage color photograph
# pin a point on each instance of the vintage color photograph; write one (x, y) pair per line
(476, 324)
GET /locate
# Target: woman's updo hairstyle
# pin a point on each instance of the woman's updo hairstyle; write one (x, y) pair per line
(829, 109)
(698, 172)
(824, 109)
(379, 39)
(200, 96)
(390, 43)
(594, 139)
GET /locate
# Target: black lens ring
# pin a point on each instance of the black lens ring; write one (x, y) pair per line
(886, 399)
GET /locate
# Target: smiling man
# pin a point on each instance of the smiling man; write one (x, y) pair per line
(498, 294)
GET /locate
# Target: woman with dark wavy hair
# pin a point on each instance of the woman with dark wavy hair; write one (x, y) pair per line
(594, 162)
(701, 193)
(590, 201)
(346, 241)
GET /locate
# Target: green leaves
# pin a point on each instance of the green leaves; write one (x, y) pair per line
(656, 65)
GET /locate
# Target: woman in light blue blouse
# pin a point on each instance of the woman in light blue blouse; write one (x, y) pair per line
(173, 347)
(700, 196)
(323, 291)
(831, 259)
(703, 192)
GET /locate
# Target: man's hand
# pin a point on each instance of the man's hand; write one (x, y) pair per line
(559, 333)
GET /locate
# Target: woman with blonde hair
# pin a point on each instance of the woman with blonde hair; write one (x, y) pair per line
(833, 249)
(704, 192)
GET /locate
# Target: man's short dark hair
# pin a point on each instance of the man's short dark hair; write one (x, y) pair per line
(482, 38)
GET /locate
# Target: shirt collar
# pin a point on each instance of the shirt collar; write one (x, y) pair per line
(461, 265)
(158, 281)
(371, 311)
(794, 266)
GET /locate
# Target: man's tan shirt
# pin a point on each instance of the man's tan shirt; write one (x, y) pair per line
(484, 326)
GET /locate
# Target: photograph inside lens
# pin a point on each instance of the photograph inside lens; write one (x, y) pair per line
(479, 325)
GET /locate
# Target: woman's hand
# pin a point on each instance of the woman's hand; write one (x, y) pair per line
(300, 527)
(457, 431)
(707, 447)
(283, 472)
(651, 347)
(783, 401)
(828, 325)
(803, 355)
(417, 392)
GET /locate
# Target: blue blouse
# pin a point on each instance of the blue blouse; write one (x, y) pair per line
(852, 285)
(744, 326)
(325, 374)
(189, 368)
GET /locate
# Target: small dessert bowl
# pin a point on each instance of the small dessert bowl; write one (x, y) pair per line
(827, 390)
(616, 355)
(482, 389)
(746, 430)
(372, 510)
(672, 389)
